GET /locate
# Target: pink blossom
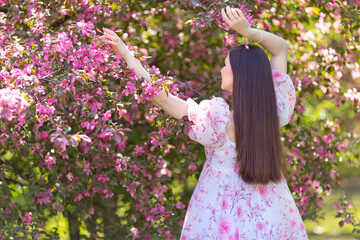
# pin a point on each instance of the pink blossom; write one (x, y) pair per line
(60, 142)
(319, 202)
(84, 138)
(106, 115)
(139, 150)
(134, 168)
(70, 176)
(37, 235)
(107, 194)
(86, 168)
(348, 219)
(332, 173)
(149, 217)
(132, 187)
(44, 197)
(167, 233)
(321, 151)
(328, 138)
(86, 28)
(192, 167)
(180, 205)
(135, 232)
(12, 103)
(27, 218)
(102, 178)
(44, 111)
(78, 197)
(118, 168)
(43, 135)
(49, 161)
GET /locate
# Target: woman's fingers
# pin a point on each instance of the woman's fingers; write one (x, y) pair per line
(230, 13)
(234, 13)
(225, 17)
(110, 36)
(223, 14)
(240, 13)
(114, 38)
(108, 31)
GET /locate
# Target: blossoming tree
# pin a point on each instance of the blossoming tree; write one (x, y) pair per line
(80, 139)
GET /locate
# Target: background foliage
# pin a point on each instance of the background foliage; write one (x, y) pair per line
(79, 138)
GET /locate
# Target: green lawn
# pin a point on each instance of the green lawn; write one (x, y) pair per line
(328, 228)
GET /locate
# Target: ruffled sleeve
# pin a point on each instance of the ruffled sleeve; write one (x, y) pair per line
(208, 121)
(285, 96)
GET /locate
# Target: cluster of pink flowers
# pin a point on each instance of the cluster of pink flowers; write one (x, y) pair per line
(27, 218)
(13, 104)
(86, 28)
(44, 111)
(353, 95)
(44, 197)
(49, 161)
(86, 118)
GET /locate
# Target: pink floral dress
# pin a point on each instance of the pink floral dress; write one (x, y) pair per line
(223, 206)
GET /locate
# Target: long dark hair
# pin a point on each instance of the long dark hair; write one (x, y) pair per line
(257, 130)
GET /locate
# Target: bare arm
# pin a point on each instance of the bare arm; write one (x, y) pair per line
(171, 104)
(275, 45)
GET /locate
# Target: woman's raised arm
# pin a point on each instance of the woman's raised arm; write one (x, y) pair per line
(171, 104)
(275, 45)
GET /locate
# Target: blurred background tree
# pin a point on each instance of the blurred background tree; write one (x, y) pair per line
(84, 155)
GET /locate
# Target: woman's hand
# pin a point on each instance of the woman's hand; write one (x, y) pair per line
(236, 20)
(110, 37)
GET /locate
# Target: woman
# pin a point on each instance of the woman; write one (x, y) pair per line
(241, 192)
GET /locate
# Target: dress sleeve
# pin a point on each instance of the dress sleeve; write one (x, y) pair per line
(285, 96)
(208, 120)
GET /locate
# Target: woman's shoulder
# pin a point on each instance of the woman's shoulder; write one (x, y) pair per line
(216, 109)
(280, 76)
(212, 102)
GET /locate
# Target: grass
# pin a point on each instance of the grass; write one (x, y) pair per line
(325, 229)
(328, 228)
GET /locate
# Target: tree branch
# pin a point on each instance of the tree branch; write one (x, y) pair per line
(4, 9)
(189, 88)
(59, 22)
(215, 80)
(50, 81)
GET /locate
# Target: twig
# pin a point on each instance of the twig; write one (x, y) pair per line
(59, 21)
(215, 80)
(111, 68)
(242, 5)
(54, 73)
(190, 88)
(47, 80)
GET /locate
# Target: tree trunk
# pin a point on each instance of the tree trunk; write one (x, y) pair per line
(74, 226)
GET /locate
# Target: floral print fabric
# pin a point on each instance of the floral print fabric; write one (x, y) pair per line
(222, 205)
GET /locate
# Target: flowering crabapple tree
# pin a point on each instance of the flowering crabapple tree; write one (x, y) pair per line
(80, 139)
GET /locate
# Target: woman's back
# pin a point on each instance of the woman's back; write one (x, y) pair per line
(223, 206)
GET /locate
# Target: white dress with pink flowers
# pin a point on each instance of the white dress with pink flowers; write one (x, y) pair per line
(223, 206)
